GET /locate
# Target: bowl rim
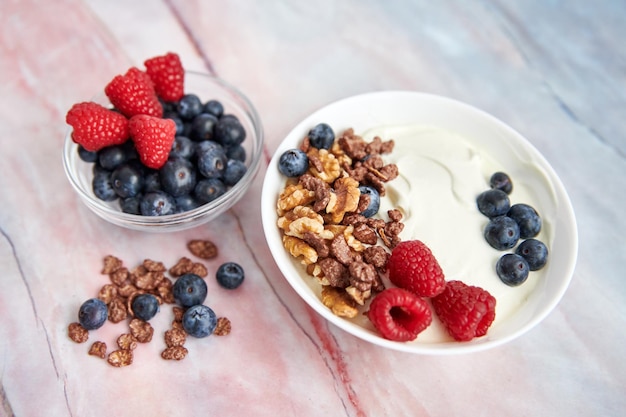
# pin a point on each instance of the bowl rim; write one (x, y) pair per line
(567, 221)
(188, 218)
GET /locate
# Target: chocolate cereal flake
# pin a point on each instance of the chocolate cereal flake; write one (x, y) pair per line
(204, 249)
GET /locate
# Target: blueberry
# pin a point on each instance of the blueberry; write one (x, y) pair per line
(493, 203)
(185, 203)
(92, 314)
(236, 152)
(180, 125)
(229, 132)
(156, 203)
(145, 306)
(230, 275)
(101, 185)
(512, 269)
(130, 205)
(213, 107)
(111, 157)
(178, 177)
(321, 136)
(183, 147)
(209, 189)
(199, 321)
(234, 171)
(152, 181)
(203, 127)
(189, 290)
(293, 163)
(87, 156)
(535, 252)
(211, 160)
(374, 198)
(189, 106)
(502, 233)
(501, 181)
(527, 218)
(127, 180)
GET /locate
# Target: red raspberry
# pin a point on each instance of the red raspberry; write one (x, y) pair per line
(466, 311)
(168, 76)
(133, 93)
(95, 127)
(153, 139)
(399, 314)
(412, 266)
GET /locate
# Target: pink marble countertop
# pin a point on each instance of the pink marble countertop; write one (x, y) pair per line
(555, 71)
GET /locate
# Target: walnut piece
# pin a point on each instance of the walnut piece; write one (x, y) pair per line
(323, 165)
(345, 198)
(292, 196)
(297, 247)
(339, 302)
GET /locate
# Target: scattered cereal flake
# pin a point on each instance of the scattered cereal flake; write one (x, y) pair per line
(120, 358)
(175, 337)
(154, 266)
(183, 266)
(178, 313)
(98, 349)
(77, 333)
(107, 293)
(174, 353)
(223, 327)
(111, 264)
(204, 249)
(199, 269)
(141, 330)
(120, 276)
(127, 341)
(117, 310)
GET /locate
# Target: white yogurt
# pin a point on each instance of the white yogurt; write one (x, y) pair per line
(440, 176)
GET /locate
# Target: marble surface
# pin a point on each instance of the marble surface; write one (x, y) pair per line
(554, 70)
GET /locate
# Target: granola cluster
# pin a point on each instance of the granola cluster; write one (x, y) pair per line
(154, 278)
(319, 214)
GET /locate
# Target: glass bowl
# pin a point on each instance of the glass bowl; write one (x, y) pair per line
(494, 146)
(207, 87)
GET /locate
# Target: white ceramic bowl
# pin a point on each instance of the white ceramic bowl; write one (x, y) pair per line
(207, 87)
(503, 144)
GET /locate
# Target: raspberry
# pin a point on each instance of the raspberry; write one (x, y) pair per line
(465, 311)
(168, 76)
(133, 93)
(412, 266)
(96, 127)
(399, 314)
(153, 139)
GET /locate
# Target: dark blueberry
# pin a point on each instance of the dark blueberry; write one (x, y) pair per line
(199, 321)
(535, 252)
(92, 314)
(527, 218)
(211, 160)
(112, 156)
(127, 181)
(131, 151)
(214, 107)
(230, 275)
(87, 156)
(229, 132)
(152, 181)
(502, 233)
(157, 203)
(185, 203)
(168, 106)
(189, 106)
(493, 203)
(145, 306)
(183, 147)
(501, 181)
(189, 290)
(293, 163)
(203, 127)
(321, 136)
(512, 269)
(180, 125)
(374, 198)
(178, 177)
(209, 189)
(234, 171)
(130, 205)
(236, 152)
(229, 116)
(101, 185)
